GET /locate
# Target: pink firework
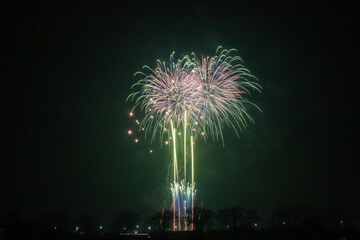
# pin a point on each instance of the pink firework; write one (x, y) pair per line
(222, 82)
(210, 91)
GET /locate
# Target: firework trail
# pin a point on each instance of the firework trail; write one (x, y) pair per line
(188, 99)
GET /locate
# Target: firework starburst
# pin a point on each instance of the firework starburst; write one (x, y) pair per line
(187, 98)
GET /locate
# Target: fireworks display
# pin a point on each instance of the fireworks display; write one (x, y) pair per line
(192, 99)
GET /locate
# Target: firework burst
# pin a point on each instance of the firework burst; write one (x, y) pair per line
(222, 82)
(211, 91)
(166, 94)
(191, 98)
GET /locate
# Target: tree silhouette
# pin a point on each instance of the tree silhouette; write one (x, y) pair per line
(230, 217)
(88, 223)
(161, 221)
(127, 220)
(202, 218)
(250, 218)
(280, 216)
(292, 215)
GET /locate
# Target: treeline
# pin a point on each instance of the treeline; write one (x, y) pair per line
(239, 218)
(234, 223)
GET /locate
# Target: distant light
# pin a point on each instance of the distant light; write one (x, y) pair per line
(193, 129)
(151, 116)
(136, 140)
(165, 129)
(142, 129)
(124, 228)
(179, 133)
(149, 228)
(137, 226)
(255, 224)
(196, 123)
(77, 228)
(151, 151)
(129, 132)
(341, 221)
(227, 226)
(175, 226)
(100, 227)
(283, 223)
(55, 228)
(131, 114)
(166, 142)
(203, 133)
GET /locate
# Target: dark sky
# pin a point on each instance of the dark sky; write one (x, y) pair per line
(68, 67)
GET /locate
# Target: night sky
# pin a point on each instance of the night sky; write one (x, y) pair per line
(67, 69)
